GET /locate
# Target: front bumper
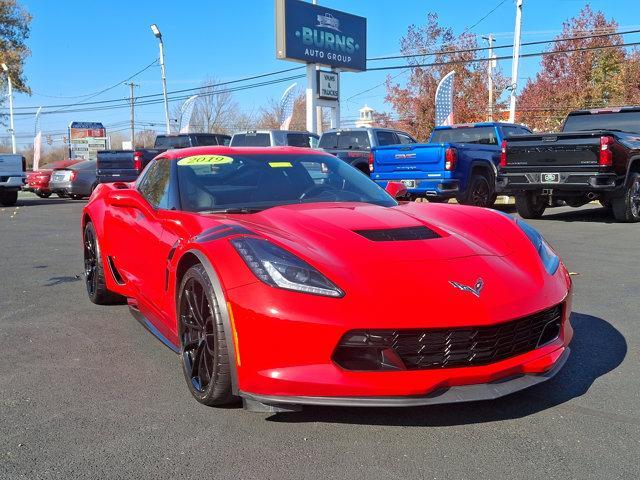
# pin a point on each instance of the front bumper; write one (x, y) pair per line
(285, 349)
(456, 394)
(572, 181)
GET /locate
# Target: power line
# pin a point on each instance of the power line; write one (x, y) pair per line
(490, 12)
(480, 49)
(537, 54)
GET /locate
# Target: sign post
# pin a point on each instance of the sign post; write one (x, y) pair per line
(320, 36)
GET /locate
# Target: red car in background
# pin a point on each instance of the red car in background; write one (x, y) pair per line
(38, 180)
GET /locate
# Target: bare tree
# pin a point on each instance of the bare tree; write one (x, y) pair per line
(214, 108)
(145, 138)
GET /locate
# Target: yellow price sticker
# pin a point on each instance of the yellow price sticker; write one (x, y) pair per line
(280, 164)
(205, 160)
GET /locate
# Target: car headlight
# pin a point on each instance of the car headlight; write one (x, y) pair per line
(549, 259)
(279, 268)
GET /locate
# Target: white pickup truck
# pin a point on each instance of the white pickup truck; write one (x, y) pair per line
(12, 177)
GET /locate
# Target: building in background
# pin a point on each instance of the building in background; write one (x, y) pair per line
(366, 117)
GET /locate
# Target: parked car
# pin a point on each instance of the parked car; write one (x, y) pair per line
(76, 181)
(459, 161)
(12, 178)
(126, 165)
(596, 156)
(353, 145)
(268, 285)
(274, 138)
(38, 180)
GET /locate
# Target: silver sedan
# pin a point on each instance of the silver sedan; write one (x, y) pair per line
(76, 181)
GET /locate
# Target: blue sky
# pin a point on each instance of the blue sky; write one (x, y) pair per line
(81, 47)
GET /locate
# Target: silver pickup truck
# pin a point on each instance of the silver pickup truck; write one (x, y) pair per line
(12, 178)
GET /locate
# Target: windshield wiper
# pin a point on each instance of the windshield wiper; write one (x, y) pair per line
(236, 210)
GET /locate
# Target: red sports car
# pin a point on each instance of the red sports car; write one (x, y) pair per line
(286, 277)
(38, 180)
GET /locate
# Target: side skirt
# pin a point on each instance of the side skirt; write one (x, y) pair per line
(137, 314)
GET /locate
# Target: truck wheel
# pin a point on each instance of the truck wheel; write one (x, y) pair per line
(627, 207)
(480, 193)
(530, 205)
(8, 199)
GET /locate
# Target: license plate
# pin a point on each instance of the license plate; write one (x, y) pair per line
(409, 183)
(550, 178)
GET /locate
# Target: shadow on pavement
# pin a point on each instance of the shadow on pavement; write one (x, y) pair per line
(599, 215)
(596, 349)
(37, 202)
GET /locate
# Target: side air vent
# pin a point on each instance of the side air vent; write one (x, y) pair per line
(114, 271)
(398, 234)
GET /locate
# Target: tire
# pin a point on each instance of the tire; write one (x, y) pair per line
(203, 348)
(94, 271)
(480, 193)
(8, 199)
(43, 194)
(627, 207)
(61, 194)
(530, 205)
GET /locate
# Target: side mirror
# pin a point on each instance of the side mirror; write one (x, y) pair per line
(126, 198)
(396, 189)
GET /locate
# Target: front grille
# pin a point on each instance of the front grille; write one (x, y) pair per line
(451, 347)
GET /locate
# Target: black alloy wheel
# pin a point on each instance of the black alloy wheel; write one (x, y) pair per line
(94, 271)
(480, 193)
(205, 361)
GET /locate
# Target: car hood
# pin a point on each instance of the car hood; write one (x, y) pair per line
(339, 232)
(470, 244)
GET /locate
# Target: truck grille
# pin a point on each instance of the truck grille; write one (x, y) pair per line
(419, 349)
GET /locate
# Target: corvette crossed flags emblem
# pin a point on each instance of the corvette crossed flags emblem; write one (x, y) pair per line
(476, 289)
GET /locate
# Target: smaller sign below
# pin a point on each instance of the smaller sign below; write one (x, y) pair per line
(328, 85)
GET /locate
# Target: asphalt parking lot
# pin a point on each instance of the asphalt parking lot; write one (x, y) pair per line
(86, 392)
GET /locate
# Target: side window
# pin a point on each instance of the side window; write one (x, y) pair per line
(154, 187)
(404, 138)
(386, 138)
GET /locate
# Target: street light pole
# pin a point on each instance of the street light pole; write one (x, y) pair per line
(515, 62)
(13, 132)
(158, 35)
(489, 40)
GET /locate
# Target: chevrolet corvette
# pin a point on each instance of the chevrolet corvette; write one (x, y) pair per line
(285, 277)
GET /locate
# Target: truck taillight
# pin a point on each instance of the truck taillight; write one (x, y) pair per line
(606, 155)
(450, 158)
(503, 153)
(137, 161)
(370, 161)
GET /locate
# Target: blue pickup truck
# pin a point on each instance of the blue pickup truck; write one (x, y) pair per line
(459, 161)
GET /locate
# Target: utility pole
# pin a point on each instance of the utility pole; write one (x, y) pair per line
(13, 131)
(515, 62)
(489, 40)
(132, 102)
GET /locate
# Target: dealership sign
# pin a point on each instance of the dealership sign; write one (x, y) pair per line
(314, 34)
(85, 139)
(328, 85)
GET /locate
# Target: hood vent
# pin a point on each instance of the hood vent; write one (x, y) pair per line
(398, 234)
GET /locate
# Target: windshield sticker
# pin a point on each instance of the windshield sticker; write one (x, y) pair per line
(280, 164)
(205, 160)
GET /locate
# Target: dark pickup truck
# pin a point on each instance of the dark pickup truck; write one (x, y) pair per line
(126, 165)
(596, 156)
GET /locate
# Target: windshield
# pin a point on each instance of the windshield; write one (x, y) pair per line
(345, 140)
(479, 135)
(625, 121)
(256, 182)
